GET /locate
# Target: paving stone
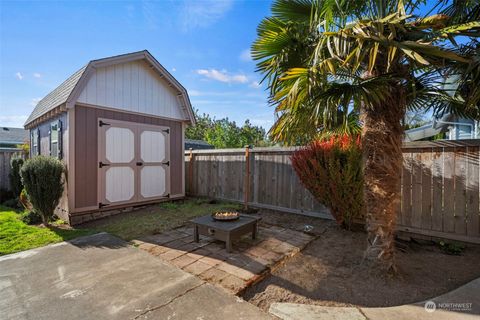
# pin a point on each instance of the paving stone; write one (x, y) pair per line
(212, 260)
(171, 254)
(214, 247)
(197, 267)
(198, 253)
(236, 271)
(182, 261)
(233, 283)
(285, 248)
(238, 259)
(256, 251)
(189, 247)
(158, 250)
(213, 275)
(256, 267)
(177, 244)
(146, 246)
(160, 239)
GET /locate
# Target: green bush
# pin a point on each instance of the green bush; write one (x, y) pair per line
(31, 217)
(332, 171)
(12, 203)
(42, 178)
(15, 179)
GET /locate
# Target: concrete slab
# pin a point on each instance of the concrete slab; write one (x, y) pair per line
(296, 311)
(460, 304)
(102, 277)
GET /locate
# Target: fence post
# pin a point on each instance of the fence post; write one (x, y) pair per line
(190, 171)
(246, 189)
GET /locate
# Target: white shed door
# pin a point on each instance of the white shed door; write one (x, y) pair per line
(155, 159)
(133, 162)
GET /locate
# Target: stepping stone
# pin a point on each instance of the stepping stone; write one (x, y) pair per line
(296, 311)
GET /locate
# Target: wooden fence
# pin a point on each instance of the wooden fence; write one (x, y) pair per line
(5, 155)
(440, 185)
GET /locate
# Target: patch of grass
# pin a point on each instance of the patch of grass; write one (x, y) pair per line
(452, 248)
(16, 236)
(157, 218)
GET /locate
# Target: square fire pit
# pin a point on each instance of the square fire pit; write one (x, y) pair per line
(226, 231)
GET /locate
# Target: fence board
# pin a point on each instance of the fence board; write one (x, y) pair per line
(426, 158)
(449, 190)
(473, 225)
(439, 187)
(460, 191)
(5, 157)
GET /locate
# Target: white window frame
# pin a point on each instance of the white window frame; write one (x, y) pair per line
(56, 126)
(35, 142)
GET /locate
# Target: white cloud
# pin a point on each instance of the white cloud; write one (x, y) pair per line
(195, 14)
(265, 123)
(255, 84)
(34, 101)
(245, 55)
(19, 76)
(37, 75)
(222, 76)
(174, 69)
(15, 121)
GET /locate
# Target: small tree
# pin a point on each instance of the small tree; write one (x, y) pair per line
(331, 169)
(15, 179)
(42, 178)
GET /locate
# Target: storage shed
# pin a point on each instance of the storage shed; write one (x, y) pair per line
(118, 124)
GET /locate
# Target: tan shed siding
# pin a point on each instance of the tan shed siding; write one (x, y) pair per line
(133, 87)
(86, 151)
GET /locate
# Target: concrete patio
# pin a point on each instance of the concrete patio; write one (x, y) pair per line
(103, 277)
(208, 259)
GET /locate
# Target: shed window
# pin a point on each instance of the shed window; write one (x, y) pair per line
(35, 140)
(55, 139)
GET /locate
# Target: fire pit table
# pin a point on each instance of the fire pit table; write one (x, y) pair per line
(225, 230)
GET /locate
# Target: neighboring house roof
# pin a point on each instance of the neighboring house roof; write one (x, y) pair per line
(68, 91)
(197, 144)
(13, 136)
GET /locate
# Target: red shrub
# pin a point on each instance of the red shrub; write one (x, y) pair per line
(331, 170)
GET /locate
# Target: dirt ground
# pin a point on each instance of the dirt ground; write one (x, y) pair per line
(329, 270)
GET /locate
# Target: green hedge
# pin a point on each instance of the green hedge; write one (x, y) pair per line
(42, 178)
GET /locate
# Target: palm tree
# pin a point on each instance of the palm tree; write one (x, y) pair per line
(330, 62)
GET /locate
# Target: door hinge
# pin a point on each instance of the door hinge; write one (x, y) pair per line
(101, 123)
(167, 163)
(101, 164)
(167, 131)
(101, 205)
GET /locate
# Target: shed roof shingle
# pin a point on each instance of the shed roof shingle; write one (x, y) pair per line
(57, 97)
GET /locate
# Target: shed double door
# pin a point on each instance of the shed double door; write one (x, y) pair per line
(133, 162)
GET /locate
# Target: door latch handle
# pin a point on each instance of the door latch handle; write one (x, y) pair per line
(139, 163)
(101, 164)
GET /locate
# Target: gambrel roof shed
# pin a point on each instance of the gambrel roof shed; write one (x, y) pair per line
(118, 124)
(67, 93)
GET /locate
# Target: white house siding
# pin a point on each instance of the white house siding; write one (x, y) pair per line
(132, 86)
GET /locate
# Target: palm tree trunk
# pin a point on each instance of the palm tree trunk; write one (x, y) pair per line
(382, 156)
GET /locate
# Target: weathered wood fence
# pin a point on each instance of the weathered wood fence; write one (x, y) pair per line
(6, 154)
(440, 185)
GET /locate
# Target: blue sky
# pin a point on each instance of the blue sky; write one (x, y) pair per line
(204, 44)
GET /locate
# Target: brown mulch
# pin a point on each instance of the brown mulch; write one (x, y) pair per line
(329, 271)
